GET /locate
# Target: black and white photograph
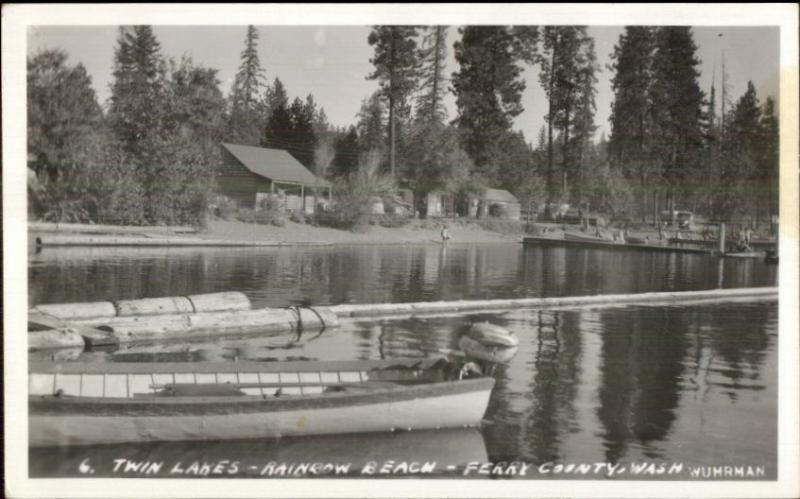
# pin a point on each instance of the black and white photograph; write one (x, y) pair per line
(401, 250)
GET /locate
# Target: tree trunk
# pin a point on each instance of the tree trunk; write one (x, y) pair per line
(436, 71)
(391, 135)
(391, 107)
(550, 106)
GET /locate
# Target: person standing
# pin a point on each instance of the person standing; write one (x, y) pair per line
(445, 234)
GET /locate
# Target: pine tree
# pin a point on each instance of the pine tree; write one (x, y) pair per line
(138, 112)
(568, 66)
(396, 66)
(303, 140)
(630, 110)
(346, 152)
(769, 165)
(321, 124)
(278, 132)
(371, 125)
(584, 126)
(246, 97)
(742, 153)
(488, 89)
(676, 110)
(433, 57)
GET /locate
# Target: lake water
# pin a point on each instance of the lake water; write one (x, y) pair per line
(690, 385)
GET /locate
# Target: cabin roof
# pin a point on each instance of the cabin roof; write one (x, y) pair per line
(274, 164)
(501, 195)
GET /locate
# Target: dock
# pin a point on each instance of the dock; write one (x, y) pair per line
(612, 245)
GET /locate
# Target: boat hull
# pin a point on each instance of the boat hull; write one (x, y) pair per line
(373, 404)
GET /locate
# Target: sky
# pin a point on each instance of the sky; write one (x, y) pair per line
(332, 62)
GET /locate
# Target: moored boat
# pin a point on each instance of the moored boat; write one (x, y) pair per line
(746, 254)
(571, 236)
(75, 403)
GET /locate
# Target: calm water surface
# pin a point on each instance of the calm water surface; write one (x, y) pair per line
(362, 274)
(692, 384)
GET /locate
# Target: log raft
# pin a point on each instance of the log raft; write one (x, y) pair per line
(87, 324)
(149, 319)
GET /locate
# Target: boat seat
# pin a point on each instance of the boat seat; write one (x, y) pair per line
(198, 390)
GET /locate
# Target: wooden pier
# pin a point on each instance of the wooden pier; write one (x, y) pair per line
(613, 245)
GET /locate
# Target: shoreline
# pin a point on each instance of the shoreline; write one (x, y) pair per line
(293, 234)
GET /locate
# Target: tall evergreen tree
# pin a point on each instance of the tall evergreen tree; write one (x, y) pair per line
(321, 124)
(676, 110)
(630, 144)
(137, 112)
(346, 153)
(584, 127)
(246, 97)
(371, 124)
(278, 132)
(433, 59)
(488, 89)
(769, 164)
(630, 110)
(396, 66)
(303, 140)
(568, 66)
(742, 153)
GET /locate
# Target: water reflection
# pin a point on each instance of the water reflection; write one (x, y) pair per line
(695, 384)
(345, 274)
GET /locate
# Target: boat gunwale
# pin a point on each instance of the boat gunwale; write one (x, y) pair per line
(51, 405)
(42, 367)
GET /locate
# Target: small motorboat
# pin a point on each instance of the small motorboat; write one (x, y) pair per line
(489, 342)
(73, 403)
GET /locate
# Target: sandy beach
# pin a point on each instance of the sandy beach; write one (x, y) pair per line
(417, 232)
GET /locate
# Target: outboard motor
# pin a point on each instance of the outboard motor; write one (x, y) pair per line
(489, 342)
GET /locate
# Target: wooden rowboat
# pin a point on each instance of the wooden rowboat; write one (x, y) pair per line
(75, 403)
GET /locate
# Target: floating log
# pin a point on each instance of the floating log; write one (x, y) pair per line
(391, 309)
(148, 327)
(77, 311)
(210, 302)
(155, 306)
(48, 325)
(83, 240)
(108, 229)
(217, 302)
(54, 338)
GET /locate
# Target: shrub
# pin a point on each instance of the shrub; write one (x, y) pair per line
(353, 207)
(297, 216)
(223, 207)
